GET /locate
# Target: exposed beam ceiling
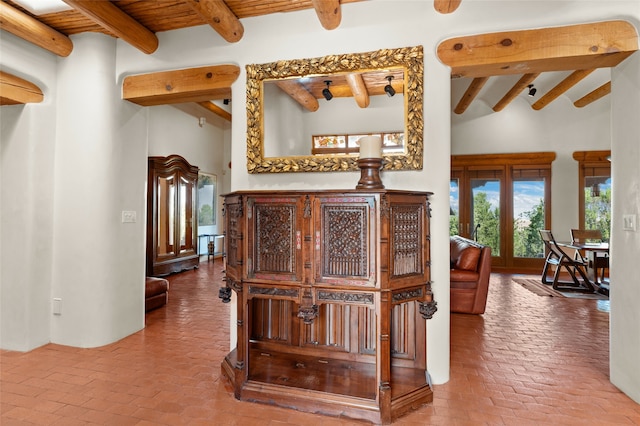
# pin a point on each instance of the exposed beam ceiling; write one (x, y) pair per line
(137, 21)
(114, 20)
(579, 48)
(529, 53)
(601, 91)
(15, 90)
(217, 110)
(329, 13)
(446, 6)
(30, 29)
(560, 88)
(180, 86)
(217, 14)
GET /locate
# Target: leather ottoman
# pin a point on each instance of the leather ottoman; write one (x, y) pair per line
(156, 293)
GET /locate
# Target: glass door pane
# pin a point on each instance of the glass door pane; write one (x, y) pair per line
(454, 210)
(528, 217)
(597, 204)
(485, 220)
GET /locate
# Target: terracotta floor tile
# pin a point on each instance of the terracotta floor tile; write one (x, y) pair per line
(529, 360)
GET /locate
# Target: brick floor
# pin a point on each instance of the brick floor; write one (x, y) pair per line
(528, 360)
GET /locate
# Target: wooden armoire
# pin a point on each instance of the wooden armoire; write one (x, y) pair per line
(172, 245)
(333, 289)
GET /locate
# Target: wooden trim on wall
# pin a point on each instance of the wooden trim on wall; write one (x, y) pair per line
(502, 159)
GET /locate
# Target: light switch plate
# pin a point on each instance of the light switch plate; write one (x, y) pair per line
(629, 222)
(128, 216)
(57, 306)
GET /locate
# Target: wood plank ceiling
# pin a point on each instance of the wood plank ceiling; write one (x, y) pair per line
(138, 21)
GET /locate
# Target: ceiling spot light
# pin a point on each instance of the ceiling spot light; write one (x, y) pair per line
(388, 89)
(532, 90)
(326, 92)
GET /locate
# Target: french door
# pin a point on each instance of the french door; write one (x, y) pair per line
(502, 204)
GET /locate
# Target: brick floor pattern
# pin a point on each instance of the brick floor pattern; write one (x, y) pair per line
(529, 360)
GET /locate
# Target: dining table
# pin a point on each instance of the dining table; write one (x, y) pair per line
(597, 255)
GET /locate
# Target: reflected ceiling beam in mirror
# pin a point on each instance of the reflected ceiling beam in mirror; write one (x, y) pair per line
(299, 93)
(446, 6)
(15, 90)
(358, 89)
(27, 28)
(114, 20)
(329, 13)
(601, 91)
(560, 88)
(472, 91)
(217, 14)
(517, 88)
(217, 110)
(179, 86)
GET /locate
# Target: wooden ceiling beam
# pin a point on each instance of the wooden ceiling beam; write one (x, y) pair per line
(560, 88)
(524, 81)
(217, 14)
(358, 89)
(329, 13)
(594, 45)
(15, 90)
(299, 93)
(472, 91)
(179, 86)
(601, 91)
(27, 28)
(111, 18)
(446, 6)
(216, 109)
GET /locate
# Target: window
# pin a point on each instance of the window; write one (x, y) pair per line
(594, 197)
(392, 143)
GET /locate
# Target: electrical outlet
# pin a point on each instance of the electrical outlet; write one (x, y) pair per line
(629, 222)
(128, 216)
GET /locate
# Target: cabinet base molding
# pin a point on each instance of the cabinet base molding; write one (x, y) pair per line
(326, 386)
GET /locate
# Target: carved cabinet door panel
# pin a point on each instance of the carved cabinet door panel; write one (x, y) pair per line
(408, 240)
(344, 235)
(274, 240)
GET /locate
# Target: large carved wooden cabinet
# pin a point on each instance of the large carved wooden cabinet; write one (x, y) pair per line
(333, 289)
(171, 215)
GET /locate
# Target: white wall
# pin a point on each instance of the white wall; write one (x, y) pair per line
(100, 152)
(27, 146)
(625, 245)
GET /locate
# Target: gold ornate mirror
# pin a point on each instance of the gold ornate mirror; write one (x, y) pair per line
(287, 106)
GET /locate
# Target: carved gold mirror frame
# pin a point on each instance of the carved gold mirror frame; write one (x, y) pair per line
(409, 58)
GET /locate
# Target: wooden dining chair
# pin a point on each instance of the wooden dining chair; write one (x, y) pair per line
(590, 236)
(559, 259)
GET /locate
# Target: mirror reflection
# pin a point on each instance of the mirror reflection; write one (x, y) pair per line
(332, 116)
(334, 100)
